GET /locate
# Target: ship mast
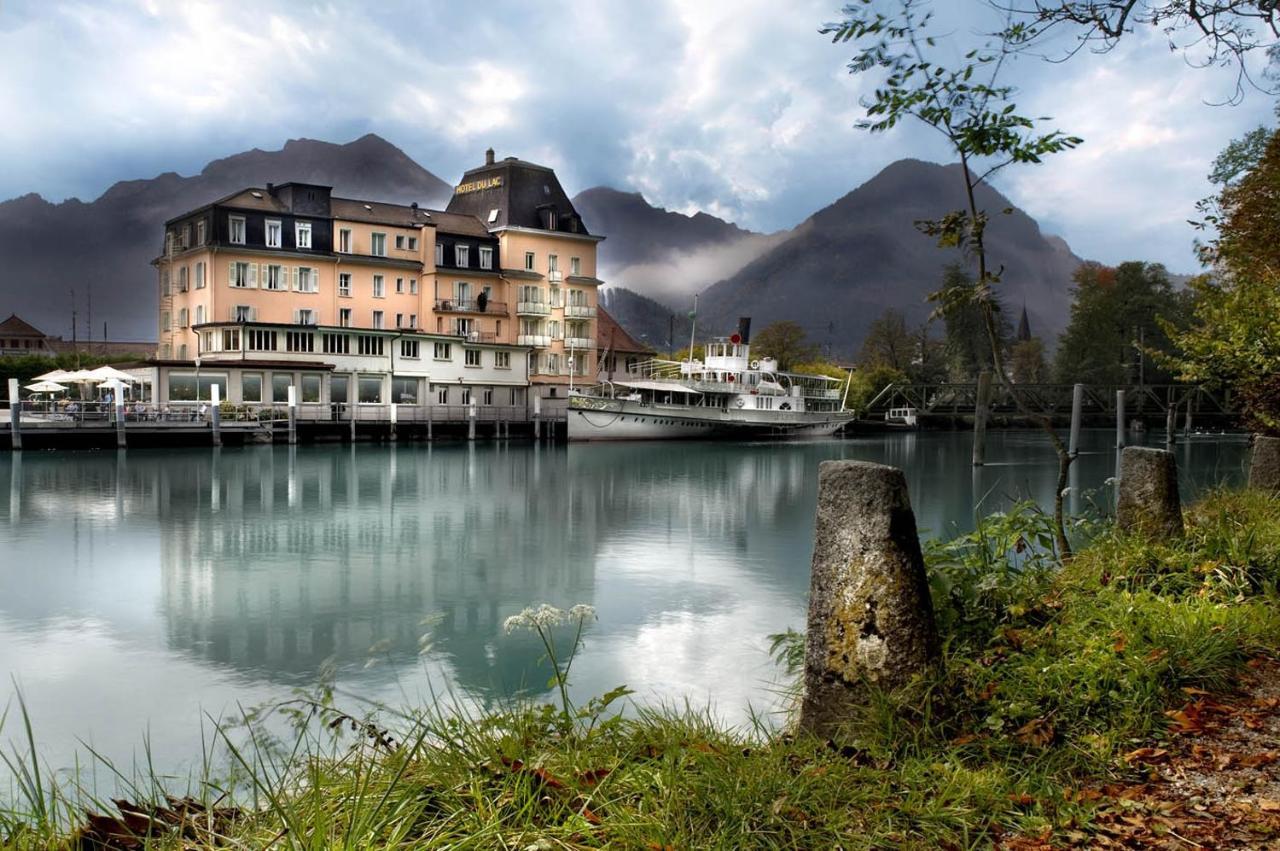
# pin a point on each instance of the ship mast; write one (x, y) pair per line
(693, 327)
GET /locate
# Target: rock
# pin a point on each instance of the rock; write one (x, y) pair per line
(1148, 503)
(1264, 468)
(870, 617)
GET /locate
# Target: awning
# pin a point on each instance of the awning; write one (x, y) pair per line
(660, 386)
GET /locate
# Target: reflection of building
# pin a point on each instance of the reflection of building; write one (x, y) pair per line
(368, 302)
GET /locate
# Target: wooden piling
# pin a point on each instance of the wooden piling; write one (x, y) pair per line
(537, 416)
(393, 422)
(471, 420)
(122, 441)
(980, 407)
(15, 414)
(1120, 419)
(1077, 413)
(1170, 427)
(293, 415)
(215, 419)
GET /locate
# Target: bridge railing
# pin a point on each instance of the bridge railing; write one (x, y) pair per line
(944, 399)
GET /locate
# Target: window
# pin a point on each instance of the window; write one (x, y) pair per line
(235, 230)
(528, 261)
(378, 245)
(413, 320)
(399, 320)
(182, 355)
(304, 316)
(554, 325)
(466, 395)
(399, 286)
(242, 313)
(339, 389)
(230, 339)
(299, 341)
(258, 340)
(442, 393)
(168, 244)
(274, 230)
(344, 317)
(575, 265)
(442, 352)
(409, 349)
(280, 383)
(336, 344)
(439, 254)
(400, 242)
(164, 282)
(377, 319)
(486, 396)
(370, 390)
(251, 387)
(274, 278)
(555, 297)
(344, 283)
(413, 243)
(207, 339)
(164, 320)
(182, 317)
(308, 279)
(486, 257)
(182, 279)
(310, 388)
(379, 287)
(553, 266)
(200, 236)
(502, 360)
(462, 255)
(200, 281)
(199, 314)
(368, 344)
(302, 234)
(242, 275)
(413, 286)
(462, 294)
(404, 390)
(553, 364)
(186, 236)
(344, 240)
(471, 357)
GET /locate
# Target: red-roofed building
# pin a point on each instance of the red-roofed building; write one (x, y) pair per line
(19, 337)
(619, 351)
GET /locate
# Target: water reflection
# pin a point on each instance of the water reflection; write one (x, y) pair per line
(163, 583)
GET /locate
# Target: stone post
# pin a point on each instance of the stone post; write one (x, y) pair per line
(1077, 411)
(870, 617)
(1264, 468)
(393, 422)
(15, 414)
(1120, 419)
(471, 420)
(1148, 503)
(293, 415)
(1171, 426)
(980, 408)
(216, 419)
(537, 415)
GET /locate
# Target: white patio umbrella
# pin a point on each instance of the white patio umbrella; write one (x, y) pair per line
(106, 373)
(55, 375)
(46, 387)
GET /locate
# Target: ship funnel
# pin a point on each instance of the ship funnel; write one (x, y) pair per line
(744, 329)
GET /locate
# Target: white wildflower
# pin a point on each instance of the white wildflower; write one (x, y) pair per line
(1111, 481)
(582, 612)
(544, 616)
(1066, 492)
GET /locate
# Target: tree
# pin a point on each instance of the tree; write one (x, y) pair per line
(1116, 325)
(1026, 361)
(966, 346)
(784, 342)
(888, 343)
(975, 112)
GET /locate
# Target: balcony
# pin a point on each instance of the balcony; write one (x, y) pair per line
(555, 276)
(540, 340)
(532, 308)
(579, 343)
(579, 311)
(470, 305)
(476, 336)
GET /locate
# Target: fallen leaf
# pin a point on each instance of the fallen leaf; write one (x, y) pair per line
(1037, 731)
(1148, 756)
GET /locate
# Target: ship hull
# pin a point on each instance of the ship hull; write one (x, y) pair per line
(599, 419)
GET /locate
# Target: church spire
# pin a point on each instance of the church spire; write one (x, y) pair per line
(1024, 327)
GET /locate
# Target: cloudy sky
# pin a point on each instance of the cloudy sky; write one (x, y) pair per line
(736, 107)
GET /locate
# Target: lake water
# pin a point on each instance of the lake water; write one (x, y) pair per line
(142, 591)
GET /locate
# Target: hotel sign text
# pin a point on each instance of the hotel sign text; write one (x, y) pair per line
(477, 185)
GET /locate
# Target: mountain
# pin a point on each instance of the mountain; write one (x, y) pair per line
(102, 249)
(846, 264)
(664, 255)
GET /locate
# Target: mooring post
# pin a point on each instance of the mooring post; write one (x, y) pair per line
(1119, 419)
(1148, 503)
(15, 414)
(471, 420)
(980, 418)
(1077, 412)
(1186, 425)
(1170, 426)
(293, 414)
(430, 417)
(216, 419)
(1264, 465)
(393, 422)
(537, 416)
(870, 616)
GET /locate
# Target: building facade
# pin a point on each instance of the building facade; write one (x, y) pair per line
(364, 302)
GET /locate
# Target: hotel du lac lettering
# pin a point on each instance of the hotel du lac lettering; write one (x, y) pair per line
(477, 185)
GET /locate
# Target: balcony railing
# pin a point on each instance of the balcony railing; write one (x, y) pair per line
(579, 311)
(555, 276)
(533, 340)
(533, 308)
(470, 305)
(579, 343)
(476, 336)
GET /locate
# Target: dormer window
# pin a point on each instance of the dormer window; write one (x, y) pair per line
(462, 255)
(486, 257)
(378, 244)
(439, 254)
(302, 234)
(235, 230)
(273, 233)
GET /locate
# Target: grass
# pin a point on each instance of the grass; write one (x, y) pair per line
(1051, 674)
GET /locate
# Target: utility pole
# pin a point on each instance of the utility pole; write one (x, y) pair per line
(75, 346)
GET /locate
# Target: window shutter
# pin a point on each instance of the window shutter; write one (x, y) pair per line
(232, 317)
(294, 272)
(297, 315)
(253, 314)
(315, 279)
(253, 275)
(231, 273)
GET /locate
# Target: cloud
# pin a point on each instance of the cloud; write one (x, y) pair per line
(740, 109)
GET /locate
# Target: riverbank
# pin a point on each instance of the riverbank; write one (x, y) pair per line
(1063, 696)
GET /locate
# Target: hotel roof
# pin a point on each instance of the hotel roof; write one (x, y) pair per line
(513, 193)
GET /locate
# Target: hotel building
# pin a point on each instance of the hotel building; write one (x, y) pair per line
(364, 302)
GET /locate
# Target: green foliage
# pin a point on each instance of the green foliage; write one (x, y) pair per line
(821, 367)
(966, 343)
(1026, 362)
(26, 367)
(1120, 316)
(866, 383)
(783, 341)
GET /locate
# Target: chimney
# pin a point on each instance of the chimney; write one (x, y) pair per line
(744, 328)
(488, 157)
(271, 189)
